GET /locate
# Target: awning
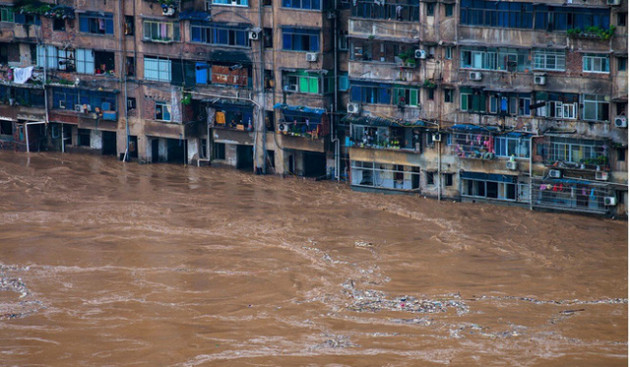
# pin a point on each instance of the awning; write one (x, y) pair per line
(236, 57)
(488, 177)
(195, 15)
(382, 121)
(477, 128)
(301, 109)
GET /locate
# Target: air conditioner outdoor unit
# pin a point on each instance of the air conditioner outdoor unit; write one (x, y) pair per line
(168, 10)
(511, 165)
(613, 2)
(283, 128)
(62, 104)
(353, 108)
(601, 176)
(331, 15)
(234, 2)
(540, 79)
(621, 121)
(79, 108)
(610, 201)
(311, 56)
(437, 137)
(254, 35)
(475, 75)
(420, 54)
(555, 173)
(290, 88)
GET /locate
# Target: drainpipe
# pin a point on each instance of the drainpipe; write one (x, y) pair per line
(334, 106)
(261, 75)
(123, 67)
(531, 184)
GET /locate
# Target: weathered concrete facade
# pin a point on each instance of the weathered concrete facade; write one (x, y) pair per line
(519, 102)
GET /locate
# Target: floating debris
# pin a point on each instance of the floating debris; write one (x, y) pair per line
(363, 244)
(611, 301)
(374, 301)
(337, 341)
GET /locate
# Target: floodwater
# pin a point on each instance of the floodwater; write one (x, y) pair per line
(104, 263)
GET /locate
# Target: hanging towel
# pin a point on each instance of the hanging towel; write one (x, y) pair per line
(21, 75)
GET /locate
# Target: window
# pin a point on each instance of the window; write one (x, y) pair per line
(69, 98)
(162, 111)
(268, 37)
(297, 39)
(219, 151)
(130, 66)
(430, 94)
(6, 128)
(85, 61)
(560, 110)
(84, 137)
(523, 15)
(430, 9)
(595, 108)
(491, 186)
(523, 106)
(448, 52)
(401, 10)
(129, 25)
(55, 58)
(6, 15)
(160, 31)
(131, 103)
(382, 175)
(495, 59)
(592, 63)
(343, 41)
(302, 82)
(621, 154)
(302, 4)
(430, 178)
(158, 69)
(404, 96)
(507, 146)
(622, 63)
(575, 150)
(96, 24)
(621, 108)
(344, 82)
(230, 2)
(448, 179)
(465, 100)
(448, 10)
(549, 60)
(59, 24)
(220, 34)
(621, 19)
(383, 94)
(448, 95)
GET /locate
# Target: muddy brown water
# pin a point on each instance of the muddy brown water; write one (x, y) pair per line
(110, 264)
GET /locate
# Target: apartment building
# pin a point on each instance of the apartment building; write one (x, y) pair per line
(513, 102)
(510, 102)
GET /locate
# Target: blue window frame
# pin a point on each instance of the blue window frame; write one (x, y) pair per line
(371, 93)
(527, 15)
(220, 34)
(67, 98)
(298, 39)
(96, 23)
(302, 4)
(400, 10)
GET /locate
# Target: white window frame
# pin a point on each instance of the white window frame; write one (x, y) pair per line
(541, 60)
(228, 3)
(164, 106)
(590, 61)
(162, 69)
(172, 30)
(599, 101)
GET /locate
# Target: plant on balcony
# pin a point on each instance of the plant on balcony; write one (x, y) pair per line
(32, 7)
(592, 32)
(408, 58)
(429, 84)
(186, 99)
